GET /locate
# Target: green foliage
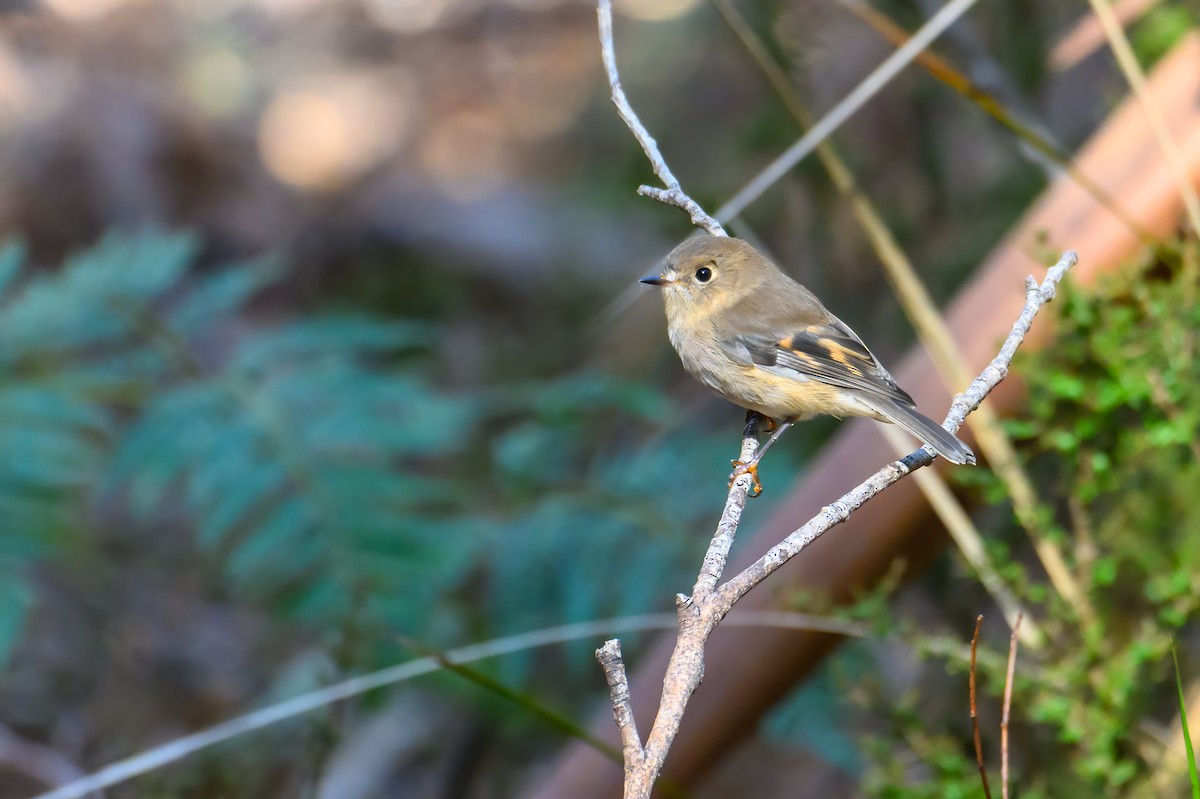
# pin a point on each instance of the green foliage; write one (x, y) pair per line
(942, 769)
(315, 466)
(1109, 439)
(295, 458)
(1162, 28)
(70, 354)
(305, 443)
(590, 516)
(1193, 776)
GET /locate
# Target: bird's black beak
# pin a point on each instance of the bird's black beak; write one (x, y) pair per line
(654, 280)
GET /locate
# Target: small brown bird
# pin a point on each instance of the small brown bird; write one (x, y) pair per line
(761, 340)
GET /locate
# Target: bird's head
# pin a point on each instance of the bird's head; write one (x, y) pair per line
(706, 274)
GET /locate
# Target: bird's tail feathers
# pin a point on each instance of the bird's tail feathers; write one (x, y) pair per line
(924, 428)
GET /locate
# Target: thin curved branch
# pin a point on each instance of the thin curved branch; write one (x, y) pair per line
(673, 194)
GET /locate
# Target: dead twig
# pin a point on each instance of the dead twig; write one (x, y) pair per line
(613, 664)
(987, 791)
(1008, 685)
(868, 88)
(672, 194)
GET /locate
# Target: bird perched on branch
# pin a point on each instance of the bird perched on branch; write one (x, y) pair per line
(763, 341)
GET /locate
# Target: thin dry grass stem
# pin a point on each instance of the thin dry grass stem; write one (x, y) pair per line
(1002, 458)
(941, 69)
(1191, 276)
(36, 761)
(1132, 70)
(1086, 550)
(933, 332)
(1087, 36)
(967, 538)
(1008, 686)
(987, 791)
(856, 99)
(996, 445)
(172, 751)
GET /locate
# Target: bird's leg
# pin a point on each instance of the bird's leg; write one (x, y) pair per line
(779, 428)
(755, 420)
(751, 467)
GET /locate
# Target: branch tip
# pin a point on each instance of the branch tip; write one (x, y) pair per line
(613, 665)
(673, 194)
(987, 791)
(1008, 686)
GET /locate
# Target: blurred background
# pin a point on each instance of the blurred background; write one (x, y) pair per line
(318, 353)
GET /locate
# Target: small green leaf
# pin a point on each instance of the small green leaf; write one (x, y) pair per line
(1193, 775)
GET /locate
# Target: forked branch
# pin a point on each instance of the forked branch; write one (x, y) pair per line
(700, 613)
(711, 600)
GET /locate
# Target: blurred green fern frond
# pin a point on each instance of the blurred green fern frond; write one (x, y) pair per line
(66, 353)
(300, 462)
(302, 459)
(316, 467)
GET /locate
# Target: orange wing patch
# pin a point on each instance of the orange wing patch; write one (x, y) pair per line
(829, 354)
(840, 354)
(789, 344)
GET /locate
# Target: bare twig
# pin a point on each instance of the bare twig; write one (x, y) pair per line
(1086, 36)
(1008, 686)
(1032, 135)
(917, 304)
(613, 664)
(672, 194)
(987, 791)
(967, 538)
(965, 403)
(700, 613)
(718, 550)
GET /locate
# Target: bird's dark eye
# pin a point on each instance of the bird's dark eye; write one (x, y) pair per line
(704, 274)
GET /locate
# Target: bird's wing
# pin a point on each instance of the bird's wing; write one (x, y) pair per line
(827, 351)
